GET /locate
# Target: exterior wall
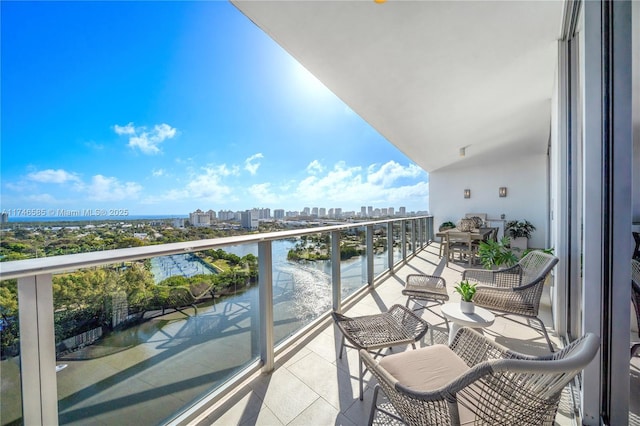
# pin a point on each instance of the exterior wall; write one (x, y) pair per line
(526, 181)
(635, 95)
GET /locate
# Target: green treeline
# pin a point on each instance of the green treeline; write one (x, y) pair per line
(86, 299)
(318, 247)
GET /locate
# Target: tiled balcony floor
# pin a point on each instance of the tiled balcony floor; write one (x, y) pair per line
(311, 386)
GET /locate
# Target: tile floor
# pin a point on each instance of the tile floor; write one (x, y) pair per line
(311, 385)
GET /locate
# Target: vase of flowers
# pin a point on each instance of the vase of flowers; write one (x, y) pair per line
(466, 291)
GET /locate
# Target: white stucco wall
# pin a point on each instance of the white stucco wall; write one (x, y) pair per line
(635, 99)
(526, 181)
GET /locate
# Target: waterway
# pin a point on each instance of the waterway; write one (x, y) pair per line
(146, 373)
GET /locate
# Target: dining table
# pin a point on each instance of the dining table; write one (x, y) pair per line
(477, 234)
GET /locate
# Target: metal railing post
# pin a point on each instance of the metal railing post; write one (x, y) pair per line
(265, 292)
(404, 239)
(390, 245)
(336, 284)
(369, 254)
(37, 350)
(413, 237)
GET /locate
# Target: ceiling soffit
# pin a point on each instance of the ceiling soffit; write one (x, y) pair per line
(430, 76)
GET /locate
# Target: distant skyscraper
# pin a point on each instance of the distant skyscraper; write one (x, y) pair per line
(322, 212)
(391, 211)
(4, 218)
(278, 214)
(403, 211)
(370, 211)
(306, 211)
(200, 218)
(363, 211)
(249, 219)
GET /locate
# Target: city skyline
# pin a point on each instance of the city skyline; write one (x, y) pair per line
(163, 107)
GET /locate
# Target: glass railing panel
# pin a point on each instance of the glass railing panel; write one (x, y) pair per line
(409, 237)
(301, 282)
(142, 340)
(353, 265)
(11, 389)
(397, 242)
(380, 257)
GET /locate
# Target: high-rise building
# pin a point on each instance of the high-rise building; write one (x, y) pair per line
(249, 219)
(363, 211)
(278, 214)
(403, 211)
(322, 212)
(200, 218)
(391, 211)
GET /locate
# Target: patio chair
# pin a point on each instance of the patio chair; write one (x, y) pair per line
(515, 290)
(635, 298)
(372, 333)
(428, 289)
(476, 381)
(636, 249)
(460, 243)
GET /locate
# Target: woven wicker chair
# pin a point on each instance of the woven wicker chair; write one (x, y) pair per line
(476, 381)
(635, 298)
(515, 290)
(423, 289)
(372, 333)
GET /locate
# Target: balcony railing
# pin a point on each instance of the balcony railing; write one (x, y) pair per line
(168, 362)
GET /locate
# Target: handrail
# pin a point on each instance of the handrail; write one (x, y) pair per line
(36, 299)
(71, 262)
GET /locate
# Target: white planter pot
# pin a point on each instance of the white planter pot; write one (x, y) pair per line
(467, 307)
(519, 243)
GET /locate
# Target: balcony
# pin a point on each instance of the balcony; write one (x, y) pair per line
(268, 355)
(310, 385)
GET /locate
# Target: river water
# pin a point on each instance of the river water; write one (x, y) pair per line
(147, 372)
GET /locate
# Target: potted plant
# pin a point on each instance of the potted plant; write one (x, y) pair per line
(496, 253)
(519, 231)
(446, 225)
(466, 291)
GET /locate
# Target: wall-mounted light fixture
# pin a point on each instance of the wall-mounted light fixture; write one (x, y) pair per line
(467, 193)
(463, 151)
(502, 191)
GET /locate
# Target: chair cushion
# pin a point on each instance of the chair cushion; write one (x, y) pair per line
(425, 369)
(428, 369)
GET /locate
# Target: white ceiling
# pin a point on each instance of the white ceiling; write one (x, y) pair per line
(430, 76)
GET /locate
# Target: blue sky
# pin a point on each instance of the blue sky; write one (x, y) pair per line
(167, 107)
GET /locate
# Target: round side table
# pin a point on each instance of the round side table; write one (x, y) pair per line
(481, 318)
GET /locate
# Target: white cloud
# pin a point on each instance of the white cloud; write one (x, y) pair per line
(377, 185)
(53, 176)
(144, 140)
(263, 194)
(315, 167)
(125, 130)
(251, 165)
(103, 188)
(390, 172)
(158, 172)
(42, 198)
(208, 185)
